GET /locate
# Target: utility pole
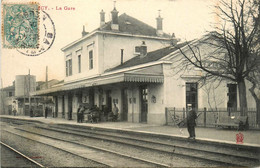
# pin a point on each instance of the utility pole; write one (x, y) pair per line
(24, 92)
(29, 80)
(47, 77)
(2, 96)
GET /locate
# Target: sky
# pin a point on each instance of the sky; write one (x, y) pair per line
(188, 19)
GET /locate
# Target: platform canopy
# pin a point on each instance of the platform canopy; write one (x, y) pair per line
(151, 74)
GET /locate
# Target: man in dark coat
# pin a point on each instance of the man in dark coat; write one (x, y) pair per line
(191, 123)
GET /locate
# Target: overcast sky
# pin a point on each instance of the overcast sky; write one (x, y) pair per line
(188, 19)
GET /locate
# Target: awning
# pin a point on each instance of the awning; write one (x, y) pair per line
(143, 78)
(152, 74)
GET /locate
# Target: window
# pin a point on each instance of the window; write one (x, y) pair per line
(192, 94)
(10, 94)
(91, 59)
(137, 49)
(69, 67)
(79, 63)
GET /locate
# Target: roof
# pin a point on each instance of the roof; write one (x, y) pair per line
(130, 25)
(150, 57)
(127, 25)
(9, 87)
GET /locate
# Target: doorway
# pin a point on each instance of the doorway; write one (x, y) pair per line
(108, 100)
(91, 97)
(125, 105)
(56, 106)
(70, 107)
(144, 103)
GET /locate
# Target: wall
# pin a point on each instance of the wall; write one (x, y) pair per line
(156, 109)
(83, 48)
(59, 106)
(110, 48)
(22, 84)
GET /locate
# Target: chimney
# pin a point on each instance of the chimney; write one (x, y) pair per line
(84, 32)
(114, 23)
(159, 19)
(143, 50)
(102, 18)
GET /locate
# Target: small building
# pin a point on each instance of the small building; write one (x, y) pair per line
(7, 100)
(18, 96)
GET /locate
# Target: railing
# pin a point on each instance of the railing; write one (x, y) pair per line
(208, 117)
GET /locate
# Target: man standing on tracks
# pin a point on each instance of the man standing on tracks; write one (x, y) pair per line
(191, 123)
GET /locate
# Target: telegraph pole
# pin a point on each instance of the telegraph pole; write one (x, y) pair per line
(29, 81)
(2, 96)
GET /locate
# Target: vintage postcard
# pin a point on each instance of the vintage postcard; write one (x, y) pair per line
(130, 83)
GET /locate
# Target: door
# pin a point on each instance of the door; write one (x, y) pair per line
(125, 105)
(70, 107)
(56, 106)
(91, 97)
(144, 103)
(108, 101)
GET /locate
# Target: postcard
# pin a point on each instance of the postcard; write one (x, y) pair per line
(130, 83)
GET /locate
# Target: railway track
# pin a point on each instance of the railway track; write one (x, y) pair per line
(14, 158)
(210, 155)
(102, 156)
(189, 152)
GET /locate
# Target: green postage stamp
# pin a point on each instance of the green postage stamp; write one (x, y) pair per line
(20, 25)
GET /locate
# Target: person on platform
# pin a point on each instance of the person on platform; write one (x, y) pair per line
(31, 112)
(46, 111)
(14, 111)
(115, 111)
(78, 116)
(191, 121)
(81, 114)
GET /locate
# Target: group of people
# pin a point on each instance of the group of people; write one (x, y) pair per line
(94, 114)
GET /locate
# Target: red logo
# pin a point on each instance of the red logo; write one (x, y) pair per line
(240, 138)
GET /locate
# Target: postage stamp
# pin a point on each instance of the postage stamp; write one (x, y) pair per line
(20, 26)
(46, 36)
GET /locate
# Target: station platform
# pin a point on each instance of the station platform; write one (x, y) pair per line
(214, 135)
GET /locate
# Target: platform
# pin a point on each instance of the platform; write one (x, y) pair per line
(251, 137)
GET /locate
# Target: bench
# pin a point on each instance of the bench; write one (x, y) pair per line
(239, 122)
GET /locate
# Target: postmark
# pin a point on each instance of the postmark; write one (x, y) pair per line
(47, 36)
(20, 27)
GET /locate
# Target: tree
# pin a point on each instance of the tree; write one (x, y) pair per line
(254, 75)
(231, 48)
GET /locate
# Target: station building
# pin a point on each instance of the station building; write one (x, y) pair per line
(133, 65)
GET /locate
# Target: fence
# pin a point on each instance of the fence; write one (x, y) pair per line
(207, 117)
